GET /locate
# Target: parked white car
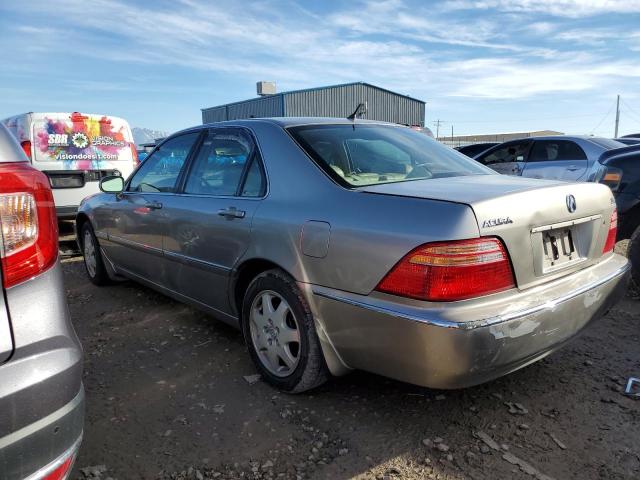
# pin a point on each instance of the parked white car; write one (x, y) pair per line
(75, 151)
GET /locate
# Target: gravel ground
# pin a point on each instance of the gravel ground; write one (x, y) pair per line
(171, 394)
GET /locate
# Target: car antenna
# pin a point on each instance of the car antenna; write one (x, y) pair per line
(360, 112)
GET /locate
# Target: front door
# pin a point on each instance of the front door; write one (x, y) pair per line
(209, 225)
(556, 160)
(508, 159)
(138, 222)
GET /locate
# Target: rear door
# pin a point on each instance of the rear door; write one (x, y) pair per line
(556, 160)
(138, 220)
(209, 221)
(508, 159)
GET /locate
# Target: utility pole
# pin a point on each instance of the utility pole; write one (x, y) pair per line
(452, 135)
(437, 123)
(617, 116)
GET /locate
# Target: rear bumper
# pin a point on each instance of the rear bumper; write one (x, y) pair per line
(41, 393)
(39, 448)
(67, 213)
(465, 343)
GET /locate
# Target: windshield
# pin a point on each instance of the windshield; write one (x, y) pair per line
(82, 141)
(367, 154)
(607, 143)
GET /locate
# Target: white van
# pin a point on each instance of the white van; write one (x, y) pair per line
(75, 151)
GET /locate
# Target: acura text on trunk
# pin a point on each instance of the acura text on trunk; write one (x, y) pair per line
(337, 245)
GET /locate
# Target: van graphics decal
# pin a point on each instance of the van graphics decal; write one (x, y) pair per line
(82, 142)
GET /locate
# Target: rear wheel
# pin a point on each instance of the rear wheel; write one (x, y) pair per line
(280, 333)
(633, 253)
(93, 262)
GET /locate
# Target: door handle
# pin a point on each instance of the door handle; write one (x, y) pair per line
(154, 205)
(231, 212)
(573, 169)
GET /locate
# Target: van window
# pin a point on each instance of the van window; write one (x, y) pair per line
(82, 141)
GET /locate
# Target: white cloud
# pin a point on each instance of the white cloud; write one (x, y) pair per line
(386, 43)
(560, 8)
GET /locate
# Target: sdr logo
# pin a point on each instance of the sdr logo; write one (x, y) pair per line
(58, 140)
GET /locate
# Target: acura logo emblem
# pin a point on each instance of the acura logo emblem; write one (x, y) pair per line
(571, 203)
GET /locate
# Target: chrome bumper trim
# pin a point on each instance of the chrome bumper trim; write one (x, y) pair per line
(485, 322)
(70, 452)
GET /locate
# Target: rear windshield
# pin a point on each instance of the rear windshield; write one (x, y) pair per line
(365, 154)
(81, 140)
(607, 143)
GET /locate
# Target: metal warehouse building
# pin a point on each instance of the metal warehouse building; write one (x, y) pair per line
(333, 101)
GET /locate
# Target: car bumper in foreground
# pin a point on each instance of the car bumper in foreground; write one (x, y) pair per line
(39, 449)
(461, 344)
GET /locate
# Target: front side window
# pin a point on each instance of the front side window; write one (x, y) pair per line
(514, 152)
(219, 166)
(554, 150)
(160, 171)
(367, 154)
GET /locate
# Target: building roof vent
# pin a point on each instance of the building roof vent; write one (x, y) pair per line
(266, 88)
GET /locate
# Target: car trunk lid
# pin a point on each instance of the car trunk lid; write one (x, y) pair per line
(550, 228)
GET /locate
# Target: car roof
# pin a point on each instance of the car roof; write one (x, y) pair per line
(285, 122)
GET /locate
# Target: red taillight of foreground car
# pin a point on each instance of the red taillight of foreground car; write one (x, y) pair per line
(29, 241)
(449, 271)
(610, 244)
(60, 473)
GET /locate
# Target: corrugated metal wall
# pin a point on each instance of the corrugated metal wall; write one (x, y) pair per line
(341, 101)
(214, 114)
(338, 101)
(270, 106)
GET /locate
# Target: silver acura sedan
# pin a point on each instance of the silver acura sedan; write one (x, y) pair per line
(337, 245)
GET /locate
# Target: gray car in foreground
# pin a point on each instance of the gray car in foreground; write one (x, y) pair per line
(337, 245)
(41, 394)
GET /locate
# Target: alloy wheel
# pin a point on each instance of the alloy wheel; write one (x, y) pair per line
(275, 333)
(90, 254)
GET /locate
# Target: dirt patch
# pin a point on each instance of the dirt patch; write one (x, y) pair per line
(167, 398)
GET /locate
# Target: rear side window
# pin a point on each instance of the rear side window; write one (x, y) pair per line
(160, 171)
(220, 166)
(370, 154)
(555, 150)
(514, 152)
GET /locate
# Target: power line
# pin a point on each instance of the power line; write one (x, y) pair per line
(603, 119)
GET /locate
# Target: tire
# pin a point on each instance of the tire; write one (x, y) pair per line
(93, 261)
(282, 342)
(633, 252)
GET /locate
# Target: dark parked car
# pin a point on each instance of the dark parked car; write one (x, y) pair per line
(633, 135)
(337, 245)
(41, 394)
(622, 174)
(628, 140)
(475, 149)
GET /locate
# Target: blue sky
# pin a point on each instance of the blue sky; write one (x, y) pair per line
(483, 66)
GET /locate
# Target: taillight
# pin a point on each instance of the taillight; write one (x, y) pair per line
(611, 177)
(29, 242)
(26, 147)
(134, 154)
(610, 244)
(449, 271)
(60, 472)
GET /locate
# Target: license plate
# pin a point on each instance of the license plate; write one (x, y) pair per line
(559, 247)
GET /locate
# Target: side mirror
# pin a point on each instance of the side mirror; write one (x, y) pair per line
(112, 184)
